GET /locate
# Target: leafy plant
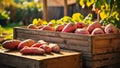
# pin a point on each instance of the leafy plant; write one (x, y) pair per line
(4, 15)
(107, 10)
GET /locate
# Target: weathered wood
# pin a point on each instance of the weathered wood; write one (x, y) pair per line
(66, 59)
(96, 64)
(65, 8)
(45, 10)
(104, 56)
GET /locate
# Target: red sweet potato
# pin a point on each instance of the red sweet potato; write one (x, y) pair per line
(27, 42)
(42, 42)
(46, 48)
(60, 27)
(70, 27)
(49, 28)
(94, 25)
(32, 50)
(80, 25)
(110, 28)
(11, 44)
(36, 45)
(97, 31)
(54, 47)
(31, 26)
(81, 31)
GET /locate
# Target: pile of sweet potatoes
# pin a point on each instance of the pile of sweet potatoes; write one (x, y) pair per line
(94, 28)
(30, 46)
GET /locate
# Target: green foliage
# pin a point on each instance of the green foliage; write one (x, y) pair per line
(109, 10)
(0, 45)
(4, 15)
(23, 10)
(88, 19)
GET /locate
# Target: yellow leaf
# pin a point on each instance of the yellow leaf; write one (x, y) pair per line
(81, 2)
(35, 21)
(77, 17)
(103, 15)
(89, 2)
(45, 23)
(117, 16)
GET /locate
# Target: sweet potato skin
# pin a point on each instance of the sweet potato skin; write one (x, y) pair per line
(81, 31)
(97, 31)
(55, 47)
(110, 28)
(32, 50)
(46, 48)
(11, 44)
(27, 42)
(94, 25)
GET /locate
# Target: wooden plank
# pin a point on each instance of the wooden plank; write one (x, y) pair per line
(103, 50)
(45, 10)
(106, 56)
(75, 42)
(96, 64)
(34, 31)
(75, 36)
(106, 36)
(101, 43)
(84, 50)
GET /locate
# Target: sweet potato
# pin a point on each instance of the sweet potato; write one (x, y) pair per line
(80, 25)
(60, 27)
(54, 47)
(81, 31)
(36, 45)
(42, 42)
(97, 31)
(110, 28)
(94, 25)
(11, 44)
(31, 26)
(27, 42)
(32, 50)
(70, 27)
(46, 48)
(49, 28)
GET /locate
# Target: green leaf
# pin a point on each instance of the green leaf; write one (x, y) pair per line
(108, 1)
(88, 19)
(90, 2)
(98, 4)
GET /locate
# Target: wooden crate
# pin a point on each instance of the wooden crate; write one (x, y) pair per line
(98, 51)
(14, 59)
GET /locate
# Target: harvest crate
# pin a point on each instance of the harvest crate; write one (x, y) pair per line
(98, 51)
(14, 59)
